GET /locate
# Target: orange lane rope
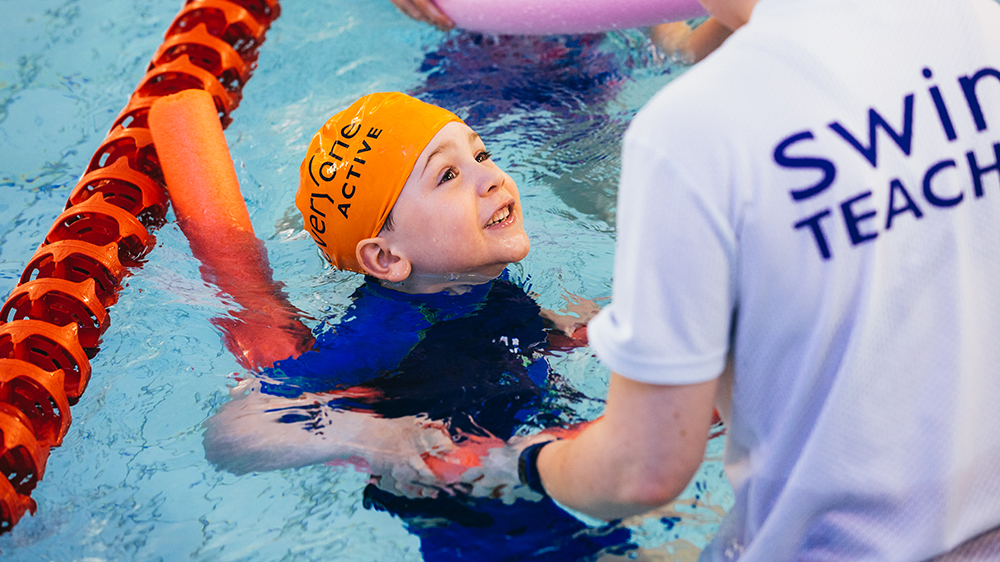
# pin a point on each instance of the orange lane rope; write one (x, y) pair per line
(51, 324)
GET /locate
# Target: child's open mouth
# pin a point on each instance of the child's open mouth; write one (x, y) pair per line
(501, 216)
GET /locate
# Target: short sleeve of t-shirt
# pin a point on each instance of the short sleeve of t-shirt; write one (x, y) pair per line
(673, 300)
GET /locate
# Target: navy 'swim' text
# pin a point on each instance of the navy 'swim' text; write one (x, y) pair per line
(862, 216)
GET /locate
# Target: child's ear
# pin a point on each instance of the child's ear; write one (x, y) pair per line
(378, 260)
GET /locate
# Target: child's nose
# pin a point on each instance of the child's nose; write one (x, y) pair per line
(489, 178)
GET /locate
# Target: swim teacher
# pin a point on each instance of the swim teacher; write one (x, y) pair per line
(809, 231)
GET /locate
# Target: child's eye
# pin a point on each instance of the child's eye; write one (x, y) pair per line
(448, 175)
(483, 156)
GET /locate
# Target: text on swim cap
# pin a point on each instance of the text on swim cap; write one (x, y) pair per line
(327, 170)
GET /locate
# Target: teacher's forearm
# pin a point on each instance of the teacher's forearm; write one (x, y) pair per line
(639, 456)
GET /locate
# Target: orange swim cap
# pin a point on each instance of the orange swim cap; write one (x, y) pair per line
(356, 166)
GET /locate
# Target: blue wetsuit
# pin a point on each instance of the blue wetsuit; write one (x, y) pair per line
(472, 361)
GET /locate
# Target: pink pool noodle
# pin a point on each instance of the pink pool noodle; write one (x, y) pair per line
(210, 209)
(544, 17)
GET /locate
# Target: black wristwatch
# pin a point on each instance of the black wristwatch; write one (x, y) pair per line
(527, 467)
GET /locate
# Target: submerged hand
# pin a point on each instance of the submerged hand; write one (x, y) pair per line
(479, 467)
(569, 324)
(259, 338)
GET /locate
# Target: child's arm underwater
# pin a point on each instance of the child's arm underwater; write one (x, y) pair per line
(258, 432)
(210, 209)
(409, 455)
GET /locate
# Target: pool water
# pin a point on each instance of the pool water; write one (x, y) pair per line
(130, 481)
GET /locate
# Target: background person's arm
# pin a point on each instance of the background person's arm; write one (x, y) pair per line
(678, 39)
(640, 455)
(425, 11)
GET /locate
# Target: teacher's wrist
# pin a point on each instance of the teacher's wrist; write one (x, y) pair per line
(527, 467)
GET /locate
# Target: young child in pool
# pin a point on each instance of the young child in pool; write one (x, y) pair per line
(438, 345)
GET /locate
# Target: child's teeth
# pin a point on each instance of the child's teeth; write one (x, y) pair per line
(499, 216)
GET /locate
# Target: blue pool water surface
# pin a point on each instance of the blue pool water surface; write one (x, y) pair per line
(130, 481)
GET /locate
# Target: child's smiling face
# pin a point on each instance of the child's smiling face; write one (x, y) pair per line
(458, 212)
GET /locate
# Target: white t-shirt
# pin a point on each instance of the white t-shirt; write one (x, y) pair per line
(806, 199)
